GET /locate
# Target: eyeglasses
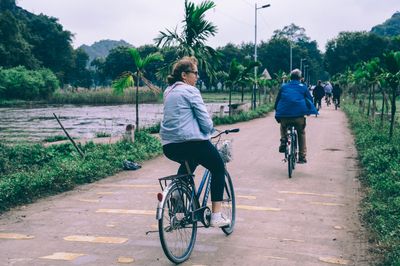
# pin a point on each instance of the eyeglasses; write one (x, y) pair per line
(194, 72)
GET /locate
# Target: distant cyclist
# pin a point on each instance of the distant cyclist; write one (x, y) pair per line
(318, 94)
(337, 91)
(328, 92)
(293, 102)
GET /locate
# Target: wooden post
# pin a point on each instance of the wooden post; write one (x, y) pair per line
(69, 137)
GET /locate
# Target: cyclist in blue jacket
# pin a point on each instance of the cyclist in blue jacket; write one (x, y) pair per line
(293, 102)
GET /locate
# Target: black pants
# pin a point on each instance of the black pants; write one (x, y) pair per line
(317, 101)
(337, 98)
(203, 153)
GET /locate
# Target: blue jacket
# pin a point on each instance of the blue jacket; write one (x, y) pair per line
(185, 115)
(294, 100)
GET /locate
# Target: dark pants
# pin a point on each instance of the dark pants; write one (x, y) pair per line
(300, 124)
(203, 153)
(337, 98)
(317, 101)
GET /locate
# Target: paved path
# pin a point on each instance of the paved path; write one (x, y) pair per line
(311, 219)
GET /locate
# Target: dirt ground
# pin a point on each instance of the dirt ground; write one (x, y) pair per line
(310, 219)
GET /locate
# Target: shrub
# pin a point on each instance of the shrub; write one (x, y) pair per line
(380, 161)
(20, 83)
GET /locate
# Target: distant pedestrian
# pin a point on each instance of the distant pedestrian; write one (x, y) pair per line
(336, 91)
(318, 94)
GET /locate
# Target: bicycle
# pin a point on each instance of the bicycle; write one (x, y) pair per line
(291, 153)
(179, 209)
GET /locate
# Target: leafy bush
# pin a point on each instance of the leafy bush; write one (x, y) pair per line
(20, 83)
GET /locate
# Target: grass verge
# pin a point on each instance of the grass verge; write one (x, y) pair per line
(380, 163)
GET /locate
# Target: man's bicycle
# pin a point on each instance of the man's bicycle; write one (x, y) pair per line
(181, 206)
(291, 153)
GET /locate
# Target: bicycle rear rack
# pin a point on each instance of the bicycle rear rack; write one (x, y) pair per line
(165, 181)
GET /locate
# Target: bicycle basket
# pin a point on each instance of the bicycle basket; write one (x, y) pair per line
(225, 150)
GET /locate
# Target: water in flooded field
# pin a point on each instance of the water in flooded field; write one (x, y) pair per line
(37, 123)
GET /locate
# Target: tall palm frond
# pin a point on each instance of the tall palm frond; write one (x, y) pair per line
(125, 80)
(191, 41)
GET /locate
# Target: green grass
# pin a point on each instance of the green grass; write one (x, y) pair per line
(380, 163)
(103, 96)
(28, 172)
(224, 96)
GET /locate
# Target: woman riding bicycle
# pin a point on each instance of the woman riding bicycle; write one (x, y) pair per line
(186, 129)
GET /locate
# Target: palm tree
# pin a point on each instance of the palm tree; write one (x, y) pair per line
(234, 75)
(372, 72)
(126, 80)
(191, 41)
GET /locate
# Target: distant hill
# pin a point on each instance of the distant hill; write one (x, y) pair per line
(390, 27)
(102, 48)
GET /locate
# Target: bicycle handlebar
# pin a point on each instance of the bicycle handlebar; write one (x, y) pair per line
(235, 130)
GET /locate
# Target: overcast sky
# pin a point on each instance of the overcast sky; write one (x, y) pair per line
(139, 21)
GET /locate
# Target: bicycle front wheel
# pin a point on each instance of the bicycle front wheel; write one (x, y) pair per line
(176, 229)
(228, 204)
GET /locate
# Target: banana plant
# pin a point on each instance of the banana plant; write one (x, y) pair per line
(126, 79)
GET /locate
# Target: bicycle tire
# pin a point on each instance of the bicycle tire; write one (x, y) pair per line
(294, 149)
(290, 160)
(177, 235)
(229, 204)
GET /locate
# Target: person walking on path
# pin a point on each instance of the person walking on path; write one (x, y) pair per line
(336, 91)
(318, 94)
(293, 102)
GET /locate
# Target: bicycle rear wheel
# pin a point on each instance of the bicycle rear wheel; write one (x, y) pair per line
(176, 229)
(229, 204)
(289, 151)
(294, 149)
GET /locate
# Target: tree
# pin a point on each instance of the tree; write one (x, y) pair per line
(15, 50)
(291, 32)
(126, 80)
(392, 66)
(79, 75)
(350, 48)
(118, 61)
(372, 72)
(191, 41)
(234, 76)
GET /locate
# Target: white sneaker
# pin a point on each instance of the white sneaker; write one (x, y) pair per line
(217, 220)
